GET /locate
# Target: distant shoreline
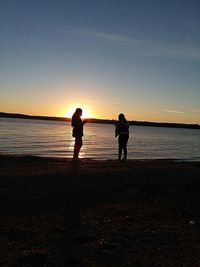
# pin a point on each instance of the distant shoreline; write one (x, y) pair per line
(102, 121)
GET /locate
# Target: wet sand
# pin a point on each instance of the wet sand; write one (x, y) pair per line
(143, 213)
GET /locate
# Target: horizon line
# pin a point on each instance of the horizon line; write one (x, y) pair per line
(100, 119)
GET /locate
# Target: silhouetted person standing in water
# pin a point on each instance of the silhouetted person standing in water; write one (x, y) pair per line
(77, 132)
(122, 130)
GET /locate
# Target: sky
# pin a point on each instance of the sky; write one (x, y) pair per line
(137, 57)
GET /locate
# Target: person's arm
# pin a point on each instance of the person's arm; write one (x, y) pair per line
(84, 121)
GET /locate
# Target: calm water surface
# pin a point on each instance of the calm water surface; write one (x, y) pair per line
(53, 139)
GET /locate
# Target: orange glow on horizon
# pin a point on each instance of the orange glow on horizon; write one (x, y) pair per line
(86, 111)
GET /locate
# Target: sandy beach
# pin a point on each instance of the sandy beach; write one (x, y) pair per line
(143, 213)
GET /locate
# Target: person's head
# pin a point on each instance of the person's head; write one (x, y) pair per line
(121, 117)
(78, 112)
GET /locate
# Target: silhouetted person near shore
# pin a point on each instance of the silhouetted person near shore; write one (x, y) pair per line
(122, 130)
(77, 132)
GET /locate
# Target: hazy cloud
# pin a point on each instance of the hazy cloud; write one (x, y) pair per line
(155, 112)
(173, 111)
(151, 48)
(196, 110)
(112, 37)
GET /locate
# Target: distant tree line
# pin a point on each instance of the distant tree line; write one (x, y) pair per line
(103, 121)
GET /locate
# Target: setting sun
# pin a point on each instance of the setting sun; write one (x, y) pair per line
(71, 110)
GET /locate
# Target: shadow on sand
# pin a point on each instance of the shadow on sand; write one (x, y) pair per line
(99, 213)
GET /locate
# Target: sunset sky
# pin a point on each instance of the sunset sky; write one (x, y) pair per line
(139, 57)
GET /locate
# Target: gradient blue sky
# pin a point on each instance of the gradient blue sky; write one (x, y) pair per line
(138, 57)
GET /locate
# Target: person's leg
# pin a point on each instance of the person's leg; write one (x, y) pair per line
(124, 144)
(77, 146)
(120, 147)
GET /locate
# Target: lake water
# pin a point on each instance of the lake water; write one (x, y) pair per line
(53, 139)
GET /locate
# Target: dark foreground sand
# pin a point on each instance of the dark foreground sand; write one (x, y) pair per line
(99, 214)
